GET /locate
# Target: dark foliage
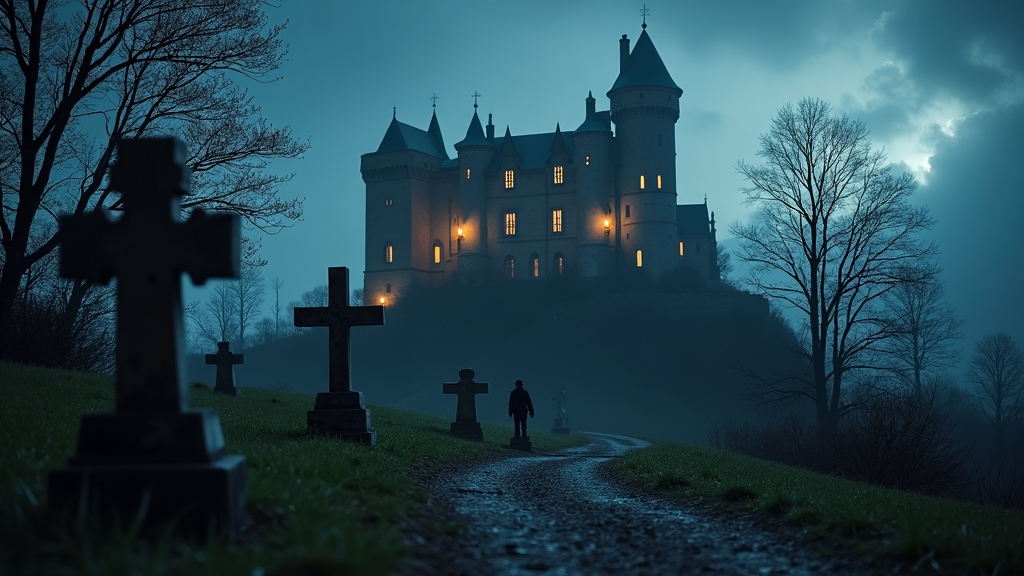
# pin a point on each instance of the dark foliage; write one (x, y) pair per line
(38, 337)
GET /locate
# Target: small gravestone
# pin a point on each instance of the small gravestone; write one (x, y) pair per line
(521, 443)
(466, 425)
(340, 411)
(561, 420)
(225, 362)
(152, 457)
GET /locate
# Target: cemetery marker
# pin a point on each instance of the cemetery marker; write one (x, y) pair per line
(225, 362)
(561, 420)
(466, 425)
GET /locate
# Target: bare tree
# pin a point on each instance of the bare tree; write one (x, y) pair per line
(997, 373)
(76, 78)
(217, 320)
(723, 260)
(317, 297)
(276, 284)
(924, 333)
(834, 234)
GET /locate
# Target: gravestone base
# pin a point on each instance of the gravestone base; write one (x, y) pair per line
(194, 498)
(520, 443)
(561, 426)
(227, 390)
(342, 414)
(467, 431)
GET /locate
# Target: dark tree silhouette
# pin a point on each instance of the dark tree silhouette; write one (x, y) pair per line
(997, 373)
(924, 333)
(77, 77)
(833, 235)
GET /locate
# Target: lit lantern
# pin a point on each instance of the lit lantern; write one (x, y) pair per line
(459, 233)
(382, 300)
(607, 226)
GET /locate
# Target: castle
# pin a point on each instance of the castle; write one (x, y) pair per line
(524, 208)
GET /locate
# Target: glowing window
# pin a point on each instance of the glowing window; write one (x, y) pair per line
(587, 161)
(467, 173)
(559, 264)
(627, 210)
(556, 220)
(510, 179)
(558, 174)
(510, 267)
(510, 223)
(659, 181)
(535, 265)
(641, 181)
(389, 202)
(680, 247)
(639, 258)
(437, 253)
(389, 254)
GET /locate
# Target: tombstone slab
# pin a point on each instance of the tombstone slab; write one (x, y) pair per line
(466, 425)
(340, 411)
(520, 443)
(153, 453)
(561, 420)
(225, 361)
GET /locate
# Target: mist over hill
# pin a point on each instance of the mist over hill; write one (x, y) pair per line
(645, 363)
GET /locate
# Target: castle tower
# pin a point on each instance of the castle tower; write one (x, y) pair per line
(475, 152)
(644, 108)
(594, 182)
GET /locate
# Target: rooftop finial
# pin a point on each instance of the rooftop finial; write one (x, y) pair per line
(644, 12)
(475, 96)
(434, 98)
(394, 112)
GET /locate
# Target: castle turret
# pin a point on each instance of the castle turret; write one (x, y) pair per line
(475, 152)
(595, 221)
(644, 108)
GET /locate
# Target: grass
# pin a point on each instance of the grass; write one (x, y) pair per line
(959, 537)
(320, 505)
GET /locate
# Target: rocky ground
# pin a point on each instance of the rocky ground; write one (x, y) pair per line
(563, 514)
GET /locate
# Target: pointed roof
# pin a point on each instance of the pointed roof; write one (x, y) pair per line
(692, 219)
(435, 132)
(595, 121)
(401, 136)
(558, 144)
(644, 67)
(475, 134)
(508, 145)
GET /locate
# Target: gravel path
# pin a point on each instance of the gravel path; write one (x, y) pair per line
(560, 514)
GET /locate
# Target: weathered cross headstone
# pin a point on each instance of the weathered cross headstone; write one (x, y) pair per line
(340, 411)
(152, 454)
(225, 361)
(561, 420)
(466, 425)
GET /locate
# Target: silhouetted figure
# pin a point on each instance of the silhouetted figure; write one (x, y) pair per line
(519, 404)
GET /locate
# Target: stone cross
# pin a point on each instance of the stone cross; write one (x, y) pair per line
(561, 421)
(225, 362)
(152, 453)
(560, 399)
(339, 317)
(466, 425)
(466, 389)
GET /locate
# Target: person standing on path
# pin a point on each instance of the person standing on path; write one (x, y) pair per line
(519, 404)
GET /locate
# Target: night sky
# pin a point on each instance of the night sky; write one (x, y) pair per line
(940, 85)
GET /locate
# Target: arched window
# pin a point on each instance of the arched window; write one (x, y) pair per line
(639, 258)
(534, 265)
(510, 267)
(438, 252)
(389, 253)
(559, 264)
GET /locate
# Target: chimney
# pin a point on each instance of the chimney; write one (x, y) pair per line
(623, 53)
(591, 105)
(490, 127)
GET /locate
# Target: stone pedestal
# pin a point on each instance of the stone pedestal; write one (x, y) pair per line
(467, 431)
(342, 414)
(561, 426)
(520, 443)
(171, 466)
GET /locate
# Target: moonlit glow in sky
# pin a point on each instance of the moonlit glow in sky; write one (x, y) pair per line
(939, 83)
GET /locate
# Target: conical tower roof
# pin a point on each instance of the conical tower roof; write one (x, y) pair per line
(475, 134)
(644, 68)
(435, 132)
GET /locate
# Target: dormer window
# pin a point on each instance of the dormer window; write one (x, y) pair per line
(510, 179)
(558, 174)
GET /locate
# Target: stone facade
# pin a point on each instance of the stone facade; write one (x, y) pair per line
(585, 203)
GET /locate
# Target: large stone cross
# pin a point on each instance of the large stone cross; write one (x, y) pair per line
(339, 317)
(466, 389)
(225, 361)
(560, 400)
(147, 250)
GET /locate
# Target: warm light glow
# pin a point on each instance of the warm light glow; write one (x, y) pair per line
(558, 174)
(639, 258)
(467, 173)
(606, 223)
(437, 253)
(459, 233)
(587, 161)
(510, 223)
(389, 254)
(556, 220)
(641, 181)
(535, 264)
(510, 179)
(680, 247)
(659, 181)
(382, 300)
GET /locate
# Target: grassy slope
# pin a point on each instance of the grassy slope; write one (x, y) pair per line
(320, 505)
(960, 537)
